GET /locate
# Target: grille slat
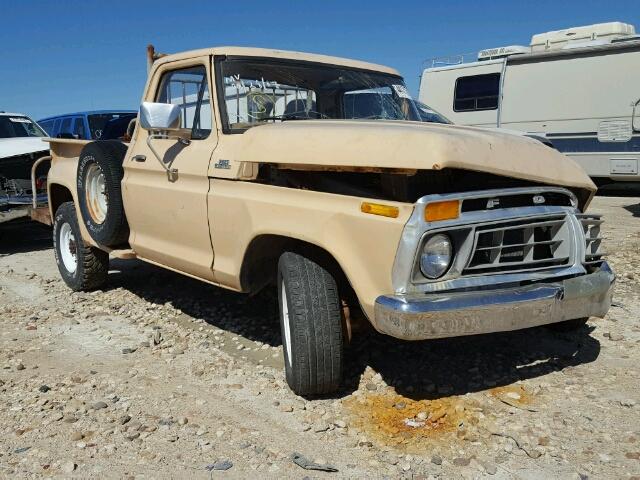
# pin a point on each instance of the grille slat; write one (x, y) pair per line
(559, 260)
(547, 242)
(518, 245)
(593, 240)
(532, 224)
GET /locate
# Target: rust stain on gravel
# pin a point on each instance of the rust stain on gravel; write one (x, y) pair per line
(414, 425)
(398, 421)
(515, 395)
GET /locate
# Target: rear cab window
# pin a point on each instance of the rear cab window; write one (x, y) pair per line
(98, 122)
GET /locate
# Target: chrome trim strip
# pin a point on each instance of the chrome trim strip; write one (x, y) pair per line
(496, 192)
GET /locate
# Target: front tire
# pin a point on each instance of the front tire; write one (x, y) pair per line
(82, 267)
(311, 324)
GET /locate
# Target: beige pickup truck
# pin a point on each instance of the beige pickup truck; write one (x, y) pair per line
(252, 167)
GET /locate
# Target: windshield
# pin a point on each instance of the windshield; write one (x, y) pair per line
(19, 126)
(428, 114)
(98, 122)
(257, 91)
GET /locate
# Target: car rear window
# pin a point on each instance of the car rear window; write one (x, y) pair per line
(98, 121)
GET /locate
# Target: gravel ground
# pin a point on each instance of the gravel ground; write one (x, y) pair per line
(160, 376)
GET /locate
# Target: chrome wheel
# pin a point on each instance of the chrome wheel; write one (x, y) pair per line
(68, 248)
(286, 324)
(97, 200)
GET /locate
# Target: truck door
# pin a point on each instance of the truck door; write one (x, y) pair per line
(168, 219)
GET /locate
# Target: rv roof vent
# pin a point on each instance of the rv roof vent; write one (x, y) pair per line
(500, 52)
(600, 32)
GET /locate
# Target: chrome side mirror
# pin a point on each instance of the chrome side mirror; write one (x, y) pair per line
(159, 116)
(161, 119)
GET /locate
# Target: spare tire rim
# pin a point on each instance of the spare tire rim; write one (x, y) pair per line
(68, 248)
(97, 200)
(286, 324)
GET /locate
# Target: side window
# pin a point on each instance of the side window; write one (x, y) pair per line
(78, 127)
(56, 126)
(65, 128)
(477, 92)
(47, 126)
(189, 89)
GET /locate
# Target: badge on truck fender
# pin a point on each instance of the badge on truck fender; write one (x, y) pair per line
(223, 164)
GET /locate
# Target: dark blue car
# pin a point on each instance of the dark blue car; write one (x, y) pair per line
(94, 125)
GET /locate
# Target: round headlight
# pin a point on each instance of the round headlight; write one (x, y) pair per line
(436, 256)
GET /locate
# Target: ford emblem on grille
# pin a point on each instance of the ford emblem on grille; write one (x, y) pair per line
(538, 199)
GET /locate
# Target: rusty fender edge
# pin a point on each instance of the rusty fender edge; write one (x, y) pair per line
(424, 316)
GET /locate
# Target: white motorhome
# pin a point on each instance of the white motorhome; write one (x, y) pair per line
(580, 87)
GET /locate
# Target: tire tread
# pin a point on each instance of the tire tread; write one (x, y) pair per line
(109, 155)
(316, 324)
(93, 263)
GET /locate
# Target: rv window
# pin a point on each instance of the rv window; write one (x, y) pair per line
(477, 92)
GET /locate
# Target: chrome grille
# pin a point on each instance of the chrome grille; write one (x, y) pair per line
(520, 245)
(593, 239)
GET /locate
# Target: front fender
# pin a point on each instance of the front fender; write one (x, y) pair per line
(364, 245)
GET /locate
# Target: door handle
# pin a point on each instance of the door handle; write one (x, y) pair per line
(140, 158)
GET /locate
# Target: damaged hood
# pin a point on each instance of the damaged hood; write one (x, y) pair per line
(11, 147)
(365, 144)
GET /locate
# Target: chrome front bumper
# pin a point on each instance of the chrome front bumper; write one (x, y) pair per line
(440, 315)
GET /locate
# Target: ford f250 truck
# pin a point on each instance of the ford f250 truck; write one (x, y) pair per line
(253, 167)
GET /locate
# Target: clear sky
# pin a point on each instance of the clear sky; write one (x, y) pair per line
(62, 56)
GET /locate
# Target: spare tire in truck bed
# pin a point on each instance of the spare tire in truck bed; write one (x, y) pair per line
(99, 179)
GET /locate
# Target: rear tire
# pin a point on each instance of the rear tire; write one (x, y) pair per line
(568, 325)
(99, 178)
(311, 324)
(82, 267)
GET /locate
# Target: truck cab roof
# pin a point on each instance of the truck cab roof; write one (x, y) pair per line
(273, 53)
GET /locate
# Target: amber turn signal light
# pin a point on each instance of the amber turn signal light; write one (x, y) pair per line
(378, 209)
(447, 210)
